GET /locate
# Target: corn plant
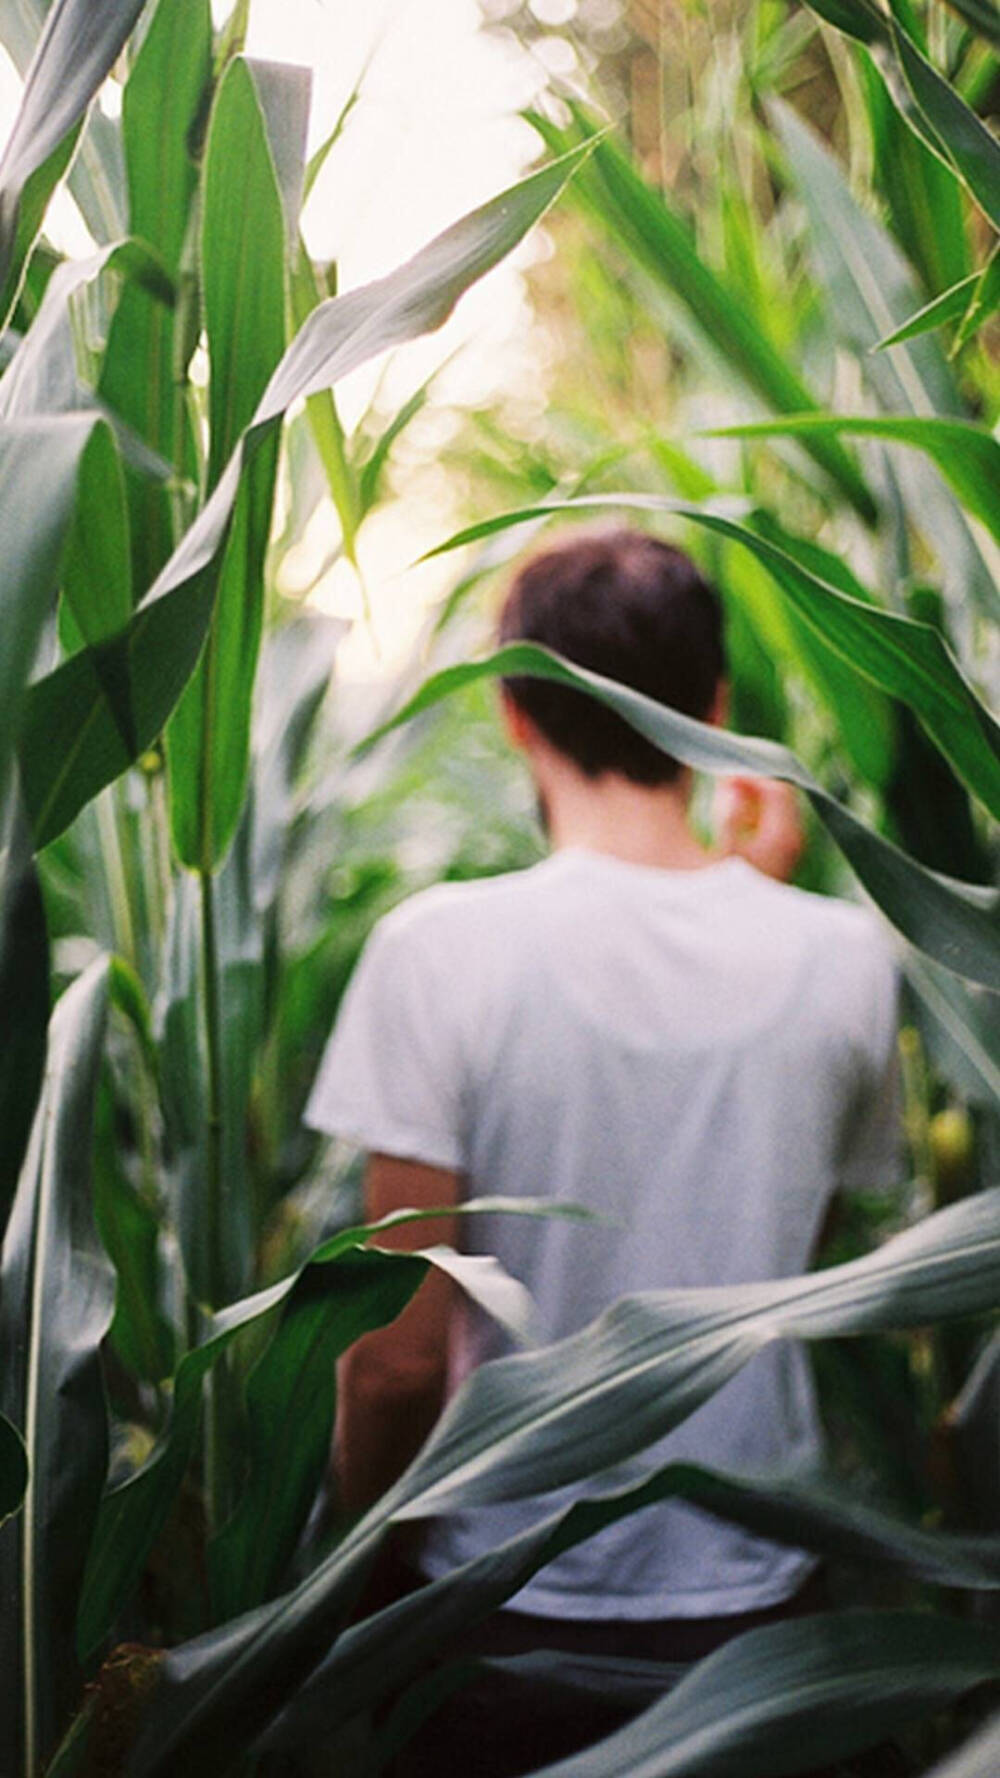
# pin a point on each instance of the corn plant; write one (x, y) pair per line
(172, 1303)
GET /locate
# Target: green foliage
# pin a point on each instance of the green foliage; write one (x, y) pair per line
(179, 1275)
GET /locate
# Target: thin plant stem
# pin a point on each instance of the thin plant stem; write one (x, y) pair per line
(215, 1404)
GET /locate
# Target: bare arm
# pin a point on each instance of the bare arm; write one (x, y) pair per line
(391, 1383)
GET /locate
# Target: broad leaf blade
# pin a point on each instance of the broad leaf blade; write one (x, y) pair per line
(148, 349)
(39, 466)
(78, 46)
(522, 1426)
(73, 742)
(243, 283)
(378, 1656)
(24, 984)
(55, 1308)
(818, 1689)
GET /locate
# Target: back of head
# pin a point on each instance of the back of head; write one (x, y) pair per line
(630, 607)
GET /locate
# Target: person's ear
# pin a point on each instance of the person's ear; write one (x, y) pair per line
(517, 725)
(718, 709)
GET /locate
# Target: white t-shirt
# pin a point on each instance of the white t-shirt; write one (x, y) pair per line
(704, 1056)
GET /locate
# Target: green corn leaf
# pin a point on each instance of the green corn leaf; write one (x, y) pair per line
(523, 1425)
(960, 136)
(24, 984)
(78, 46)
(372, 470)
(925, 200)
(97, 567)
(129, 1224)
(284, 93)
(74, 739)
(379, 1655)
(964, 1035)
(984, 302)
(31, 208)
(866, 727)
(97, 172)
(951, 305)
(967, 457)
(362, 1291)
(148, 348)
(638, 219)
(820, 1689)
(13, 1469)
(955, 924)
(31, 384)
(56, 1298)
(243, 283)
(40, 462)
(327, 431)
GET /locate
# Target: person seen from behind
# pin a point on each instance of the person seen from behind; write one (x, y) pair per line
(667, 1033)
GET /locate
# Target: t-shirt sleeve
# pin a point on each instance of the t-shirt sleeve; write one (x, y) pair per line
(872, 1153)
(390, 1077)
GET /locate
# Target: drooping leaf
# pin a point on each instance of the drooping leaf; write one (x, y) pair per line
(524, 1425)
(56, 1296)
(39, 469)
(363, 1291)
(909, 660)
(639, 219)
(954, 923)
(78, 46)
(965, 1030)
(24, 984)
(379, 1655)
(97, 172)
(819, 1689)
(28, 385)
(73, 742)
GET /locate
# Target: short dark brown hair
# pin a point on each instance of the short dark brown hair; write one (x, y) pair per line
(629, 606)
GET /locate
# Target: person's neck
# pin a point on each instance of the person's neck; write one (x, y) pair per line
(637, 823)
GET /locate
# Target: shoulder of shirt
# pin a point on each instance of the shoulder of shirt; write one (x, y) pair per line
(445, 907)
(837, 922)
